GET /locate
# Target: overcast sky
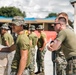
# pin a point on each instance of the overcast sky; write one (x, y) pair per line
(41, 8)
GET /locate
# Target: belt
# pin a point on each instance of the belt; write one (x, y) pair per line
(71, 58)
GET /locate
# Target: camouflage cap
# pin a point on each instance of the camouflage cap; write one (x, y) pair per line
(40, 27)
(18, 20)
(5, 26)
(32, 27)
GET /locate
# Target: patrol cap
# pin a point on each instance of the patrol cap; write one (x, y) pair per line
(18, 20)
(5, 26)
(32, 27)
(40, 27)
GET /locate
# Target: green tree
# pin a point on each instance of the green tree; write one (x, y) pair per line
(52, 15)
(11, 11)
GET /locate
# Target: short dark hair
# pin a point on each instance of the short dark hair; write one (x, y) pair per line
(62, 19)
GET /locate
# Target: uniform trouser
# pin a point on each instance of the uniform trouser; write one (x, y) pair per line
(71, 67)
(26, 72)
(32, 60)
(10, 58)
(3, 63)
(40, 59)
(61, 69)
(61, 64)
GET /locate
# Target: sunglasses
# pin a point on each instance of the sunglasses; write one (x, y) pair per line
(56, 24)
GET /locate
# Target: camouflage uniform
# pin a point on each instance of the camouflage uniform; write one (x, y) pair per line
(33, 38)
(40, 54)
(61, 63)
(71, 67)
(6, 37)
(26, 72)
(61, 67)
(22, 43)
(67, 38)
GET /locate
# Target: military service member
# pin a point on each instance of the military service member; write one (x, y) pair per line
(63, 14)
(59, 52)
(65, 38)
(61, 63)
(33, 42)
(21, 61)
(7, 40)
(42, 40)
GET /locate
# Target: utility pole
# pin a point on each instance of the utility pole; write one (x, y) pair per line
(73, 2)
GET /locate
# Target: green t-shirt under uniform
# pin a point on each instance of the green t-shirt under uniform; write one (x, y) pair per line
(22, 43)
(68, 39)
(41, 40)
(34, 38)
(7, 37)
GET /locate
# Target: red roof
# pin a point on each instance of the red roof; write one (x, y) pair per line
(50, 34)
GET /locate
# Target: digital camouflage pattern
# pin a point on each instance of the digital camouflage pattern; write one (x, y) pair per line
(22, 43)
(33, 38)
(68, 37)
(40, 54)
(61, 64)
(26, 72)
(18, 20)
(71, 67)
